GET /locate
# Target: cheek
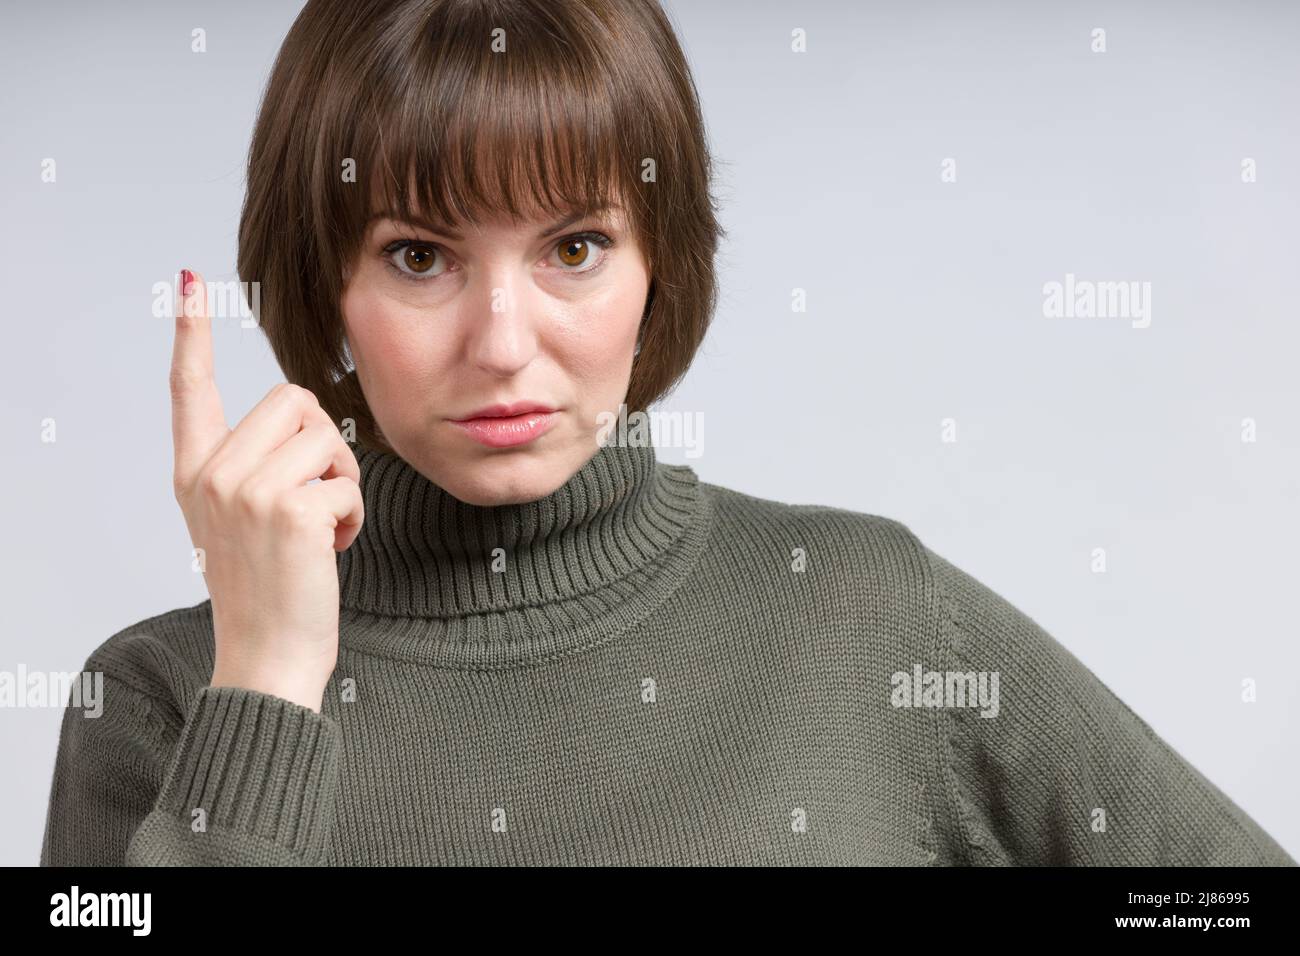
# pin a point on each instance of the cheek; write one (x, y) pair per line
(380, 335)
(600, 332)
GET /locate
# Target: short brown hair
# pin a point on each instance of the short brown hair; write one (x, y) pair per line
(455, 108)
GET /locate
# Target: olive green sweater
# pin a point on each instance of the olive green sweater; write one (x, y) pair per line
(640, 668)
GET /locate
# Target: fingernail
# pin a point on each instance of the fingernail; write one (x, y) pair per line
(184, 279)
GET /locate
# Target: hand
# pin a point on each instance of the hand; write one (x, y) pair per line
(269, 538)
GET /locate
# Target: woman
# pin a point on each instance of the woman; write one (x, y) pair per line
(489, 633)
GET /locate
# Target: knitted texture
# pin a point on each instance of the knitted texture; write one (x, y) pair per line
(639, 668)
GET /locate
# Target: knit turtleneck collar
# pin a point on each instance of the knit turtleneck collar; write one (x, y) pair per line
(489, 585)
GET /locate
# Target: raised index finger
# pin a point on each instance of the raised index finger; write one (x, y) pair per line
(198, 420)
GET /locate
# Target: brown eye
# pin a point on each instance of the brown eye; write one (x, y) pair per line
(573, 252)
(418, 258)
(577, 256)
(414, 260)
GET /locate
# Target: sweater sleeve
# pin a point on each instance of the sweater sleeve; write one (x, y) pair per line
(1063, 772)
(247, 779)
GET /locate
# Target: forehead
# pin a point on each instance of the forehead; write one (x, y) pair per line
(446, 202)
(532, 221)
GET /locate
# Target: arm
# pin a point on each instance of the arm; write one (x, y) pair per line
(1066, 773)
(127, 783)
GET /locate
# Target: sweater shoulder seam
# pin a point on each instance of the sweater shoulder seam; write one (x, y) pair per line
(947, 615)
(157, 702)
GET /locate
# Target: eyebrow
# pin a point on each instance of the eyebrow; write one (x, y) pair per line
(447, 232)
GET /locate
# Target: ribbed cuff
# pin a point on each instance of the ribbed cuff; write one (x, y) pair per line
(257, 764)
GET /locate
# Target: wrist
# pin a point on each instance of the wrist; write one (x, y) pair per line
(307, 691)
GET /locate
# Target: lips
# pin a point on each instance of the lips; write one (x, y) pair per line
(504, 426)
(505, 411)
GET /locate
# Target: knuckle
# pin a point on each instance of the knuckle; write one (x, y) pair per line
(253, 499)
(292, 512)
(301, 395)
(215, 484)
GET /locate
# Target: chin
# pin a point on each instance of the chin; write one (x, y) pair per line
(503, 479)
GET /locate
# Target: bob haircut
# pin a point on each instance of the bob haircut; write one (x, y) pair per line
(447, 110)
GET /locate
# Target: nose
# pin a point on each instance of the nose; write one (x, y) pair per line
(502, 323)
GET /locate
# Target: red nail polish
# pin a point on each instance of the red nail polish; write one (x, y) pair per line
(187, 278)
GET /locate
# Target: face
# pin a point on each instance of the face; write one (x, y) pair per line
(442, 326)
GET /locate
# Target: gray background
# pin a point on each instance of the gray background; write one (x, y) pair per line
(924, 302)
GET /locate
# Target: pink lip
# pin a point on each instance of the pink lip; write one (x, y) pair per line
(506, 430)
(505, 411)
